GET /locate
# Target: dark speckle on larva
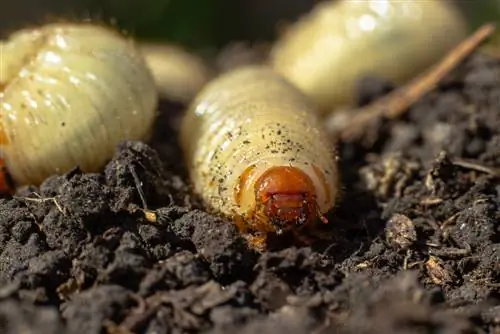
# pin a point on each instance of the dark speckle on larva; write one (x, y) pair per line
(260, 139)
(69, 93)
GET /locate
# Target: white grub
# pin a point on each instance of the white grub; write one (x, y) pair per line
(179, 74)
(251, 116)
(69, 93)
(325, 52)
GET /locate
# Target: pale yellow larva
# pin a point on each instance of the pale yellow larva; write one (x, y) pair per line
(179, 74)
(257, 152)
(325, 52)
(69, 93)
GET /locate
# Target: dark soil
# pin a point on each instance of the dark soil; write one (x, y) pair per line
(415, 246)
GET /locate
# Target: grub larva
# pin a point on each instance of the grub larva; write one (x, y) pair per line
(257, 153)
(69, 93)
(179, 74)
(325, 52)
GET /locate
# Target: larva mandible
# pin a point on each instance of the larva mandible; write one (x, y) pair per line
(179, 74)
(325, 52)
(257, 153)
(69, 93)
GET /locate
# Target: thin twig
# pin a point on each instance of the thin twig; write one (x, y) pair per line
(396, 103)
(469, 164)
(138, 186)
(41, 199)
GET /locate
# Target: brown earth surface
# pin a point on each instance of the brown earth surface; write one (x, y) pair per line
(415, 245)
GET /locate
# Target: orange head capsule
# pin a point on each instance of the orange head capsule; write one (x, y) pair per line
(286, 196)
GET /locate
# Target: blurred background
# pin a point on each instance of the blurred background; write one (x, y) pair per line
(197, 24)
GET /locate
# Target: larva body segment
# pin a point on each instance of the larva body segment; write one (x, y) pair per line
(257, 152)
(179, 75)
(326, 51)
(69, 93)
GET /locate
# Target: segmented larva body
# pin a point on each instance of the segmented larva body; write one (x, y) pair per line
(69, 93)
(257, 153)
(179, 75)
(326, 51)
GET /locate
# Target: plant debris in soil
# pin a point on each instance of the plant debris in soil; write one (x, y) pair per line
(414, 247)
